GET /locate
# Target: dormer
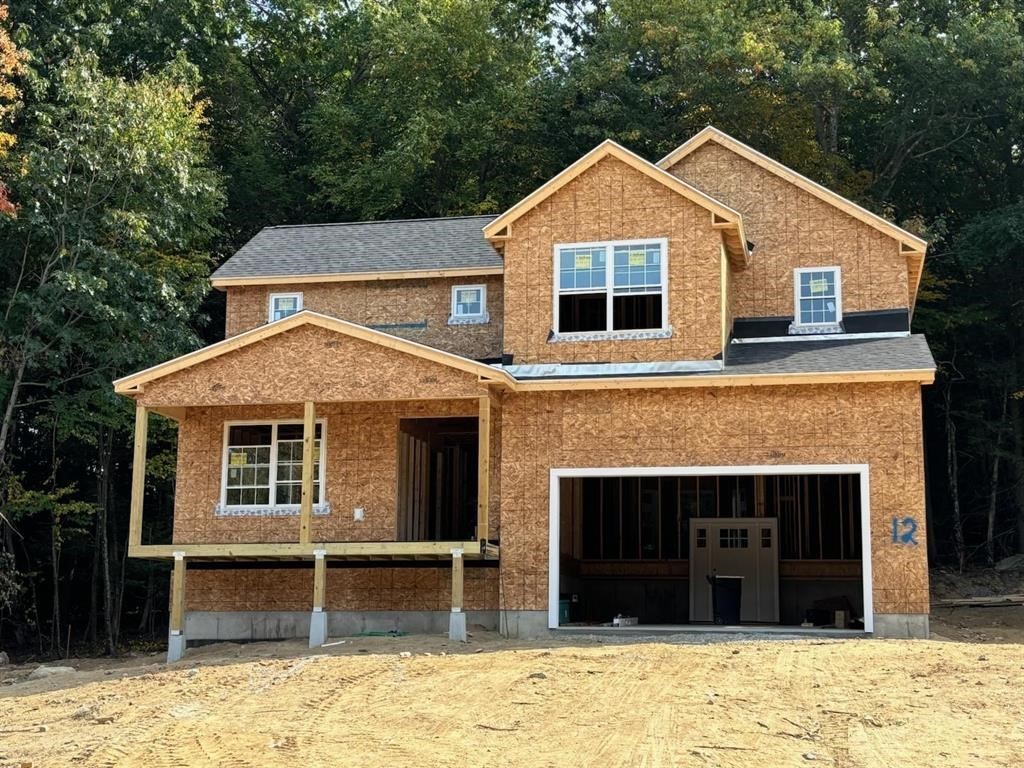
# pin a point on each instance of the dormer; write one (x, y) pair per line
(616, 260)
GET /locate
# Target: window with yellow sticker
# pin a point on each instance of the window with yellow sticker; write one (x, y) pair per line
(264, 465)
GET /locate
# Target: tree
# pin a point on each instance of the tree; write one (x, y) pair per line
(12, 62)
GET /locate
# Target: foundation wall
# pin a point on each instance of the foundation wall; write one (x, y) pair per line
(791, 228)
(612, 201)
(417, 310)
(874, 424)
(361, 470)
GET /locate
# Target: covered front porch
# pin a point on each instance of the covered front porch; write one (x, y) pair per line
(388, 460)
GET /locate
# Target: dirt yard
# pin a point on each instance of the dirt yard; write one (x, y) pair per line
(579, 702)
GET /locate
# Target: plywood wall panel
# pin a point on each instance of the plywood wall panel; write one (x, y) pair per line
(392, 303)
(309, 363)
(874, 424)
(361, 470)
(612, 201)
(791, 228)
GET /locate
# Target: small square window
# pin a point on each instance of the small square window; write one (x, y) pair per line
(818, 296)
(733, 538)
(284, 304)
(469, 302)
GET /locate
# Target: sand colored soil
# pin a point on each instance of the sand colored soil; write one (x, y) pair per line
(578, 702)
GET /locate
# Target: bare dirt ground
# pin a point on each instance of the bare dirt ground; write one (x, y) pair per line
(422, 701)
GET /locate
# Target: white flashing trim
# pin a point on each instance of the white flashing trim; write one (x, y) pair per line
(176, 632)
(319, 554)
(457, 552)
(554, 512)
(179, 555)
(824, 337)
(456, 610)
(318, 609)
(562, 370)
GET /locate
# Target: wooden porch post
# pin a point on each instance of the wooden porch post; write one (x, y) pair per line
(138, 476)
(483, 484)
(457, 620)
(176, 641)
(308, 442)
(318, 620)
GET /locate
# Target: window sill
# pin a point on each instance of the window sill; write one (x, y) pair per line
(795, 329)
(291, 510)
(661, 333)
(469, 319)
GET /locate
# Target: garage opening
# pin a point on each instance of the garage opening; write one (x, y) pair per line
(673, 550)
(437, 479)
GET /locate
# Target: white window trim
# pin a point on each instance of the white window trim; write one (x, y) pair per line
(274, 296)
(274, 423)
(796, 296)
(482, 317)
(609, 289)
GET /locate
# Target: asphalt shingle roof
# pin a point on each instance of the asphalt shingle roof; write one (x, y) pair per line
(373, 246)
(825, 356)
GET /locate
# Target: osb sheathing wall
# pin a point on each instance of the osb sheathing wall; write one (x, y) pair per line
(612, 201)
(791, 228)
(874, 424)
(361, 457)
(309, 363)
(348, 589)
(391, 303)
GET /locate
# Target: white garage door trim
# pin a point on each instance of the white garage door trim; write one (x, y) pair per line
(554, 513)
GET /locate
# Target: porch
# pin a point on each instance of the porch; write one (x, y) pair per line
(386, 457)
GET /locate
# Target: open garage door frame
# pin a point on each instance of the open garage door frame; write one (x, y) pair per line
(554, 516)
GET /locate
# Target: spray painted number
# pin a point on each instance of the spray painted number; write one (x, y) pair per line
(903, 531)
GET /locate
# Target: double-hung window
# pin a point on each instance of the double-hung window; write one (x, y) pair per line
(284, 304)
(469, 304)
(263, 465)
(611, 286)
(818, 297)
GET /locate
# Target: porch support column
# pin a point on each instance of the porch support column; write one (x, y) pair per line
(483, 456)
(138, 476)
(318, 619)
(457, 620)
(176, 639)
(306, 502)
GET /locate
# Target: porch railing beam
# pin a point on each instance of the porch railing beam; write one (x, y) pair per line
(138, 476)
(483, 468)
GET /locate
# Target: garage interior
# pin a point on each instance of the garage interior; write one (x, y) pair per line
(643, 547)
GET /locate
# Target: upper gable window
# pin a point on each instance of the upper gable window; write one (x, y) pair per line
(818, 297)
(469, 304)
(611, 286)
(284, 304)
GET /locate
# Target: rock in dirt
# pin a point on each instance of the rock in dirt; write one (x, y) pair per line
(4, 659)
(537, 676)
(40, 673)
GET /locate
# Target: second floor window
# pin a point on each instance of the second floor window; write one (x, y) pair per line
(610, 286)
(284, 304)
(469, 302)
(818, 296)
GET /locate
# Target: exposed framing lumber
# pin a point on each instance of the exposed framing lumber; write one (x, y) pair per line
(483, 454)
(352, 277)
(177, 623)
(138, 476)
(319, 580)
(458, 579)
(308, 443)
(295, 551)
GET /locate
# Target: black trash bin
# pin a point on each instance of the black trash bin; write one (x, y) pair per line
(726, 598)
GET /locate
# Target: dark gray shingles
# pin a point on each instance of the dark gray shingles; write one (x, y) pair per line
(824, 356)
(373, 246)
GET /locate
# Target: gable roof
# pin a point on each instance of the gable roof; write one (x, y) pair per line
(909, 239)
(133, 383)
(364, 250)
(723, 216)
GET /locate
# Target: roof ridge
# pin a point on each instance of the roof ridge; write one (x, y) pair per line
(381, 221)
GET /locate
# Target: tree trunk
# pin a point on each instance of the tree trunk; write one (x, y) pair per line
(12, 401)
(55, 573)
(103, 499)
(952, 472)
(826, 127)
(993, 490)
(1017, 420)
(147, 605)
(94, 586)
